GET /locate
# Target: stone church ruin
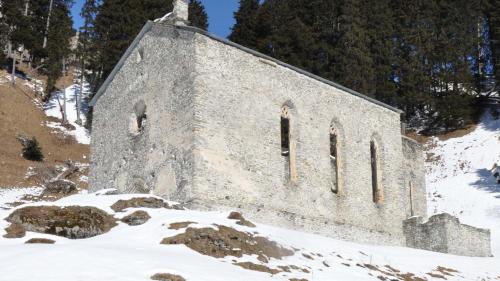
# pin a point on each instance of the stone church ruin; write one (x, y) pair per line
(203, 121)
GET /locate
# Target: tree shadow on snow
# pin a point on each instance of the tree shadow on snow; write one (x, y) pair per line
(486, 182)
(489, 122)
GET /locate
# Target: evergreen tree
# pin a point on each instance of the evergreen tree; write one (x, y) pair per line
(353, 65)
(380, 27)
(492, 12)
(197, 15)
(58, 40)
(32, 150)
(244, 31)
(87, 44)
(117, 22)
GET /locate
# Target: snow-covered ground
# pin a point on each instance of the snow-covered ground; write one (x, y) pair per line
(53, 108)
(135, 253)
(459, 181)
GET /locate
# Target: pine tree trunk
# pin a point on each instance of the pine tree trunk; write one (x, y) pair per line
(64, 116)
(9, 49)
(13, 75)
(26, 7)
(48, 25)
(80, 93)
(21, 57)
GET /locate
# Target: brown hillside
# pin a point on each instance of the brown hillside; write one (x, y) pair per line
(19, 114)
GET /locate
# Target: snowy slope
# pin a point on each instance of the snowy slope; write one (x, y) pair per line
(459, 181)
(53, 108)
(134, 253)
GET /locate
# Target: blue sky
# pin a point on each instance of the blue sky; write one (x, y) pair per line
(220, 15)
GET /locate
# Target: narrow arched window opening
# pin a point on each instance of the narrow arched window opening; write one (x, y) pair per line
(285, 132)
(288, 146)
(377, 195)
(140, 113)
(334, 160)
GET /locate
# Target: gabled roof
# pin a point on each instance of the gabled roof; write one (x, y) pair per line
(147, 27)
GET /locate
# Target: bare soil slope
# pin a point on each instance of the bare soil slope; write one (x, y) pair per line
(19, 114)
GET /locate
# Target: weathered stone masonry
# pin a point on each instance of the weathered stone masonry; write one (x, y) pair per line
(211, 137)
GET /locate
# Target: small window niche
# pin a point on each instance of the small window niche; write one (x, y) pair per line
(374, 159)
(139, 119)
(334, 159)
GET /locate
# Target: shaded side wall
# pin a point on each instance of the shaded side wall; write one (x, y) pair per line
(444, 233)
(414, 178)
(158, 72)
(239, 97)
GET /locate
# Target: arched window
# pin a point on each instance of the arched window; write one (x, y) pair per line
(376, 191)
(334, 160)
(288, 146)
(285, 132)
(140, 113)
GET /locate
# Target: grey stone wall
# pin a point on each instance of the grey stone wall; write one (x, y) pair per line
(444, 233)
(239, 97)
(212, 139)
(160, 157)
(414, 178)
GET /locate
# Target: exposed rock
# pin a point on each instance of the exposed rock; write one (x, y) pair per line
(15, 230)
(241, 219)
(136, 218)
(307, 256)
(142, 202)
(72, 222)
(59, 187)
(257, 267)
(180, 225)
(40, 241)
(226, 241)
(167, 277)
(110, 192)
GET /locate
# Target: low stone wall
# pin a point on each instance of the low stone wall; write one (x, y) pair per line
(444, 233)
(414, 178)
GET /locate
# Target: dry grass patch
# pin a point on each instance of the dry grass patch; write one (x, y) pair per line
(167, 277)
(19, 111)
(136, 218)
(435, 275)
(418, 138)
(307, 256)
(393, 273)
(226, 241)
(72, 222)
(180, 225)
(15, 230)
(458, 133)
(142, 202)
(40, 241)
(240, 219)
(257, 267)
(446, 271)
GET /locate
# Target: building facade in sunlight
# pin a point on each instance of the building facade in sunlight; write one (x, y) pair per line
(203, 121)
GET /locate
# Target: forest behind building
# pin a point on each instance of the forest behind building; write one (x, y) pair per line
(437, 60)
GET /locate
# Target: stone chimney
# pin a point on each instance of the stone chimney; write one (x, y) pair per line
(181, 12)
